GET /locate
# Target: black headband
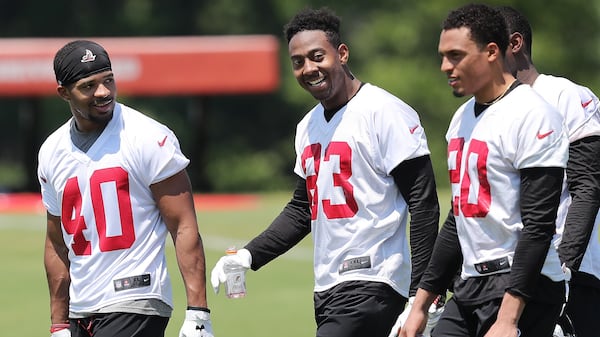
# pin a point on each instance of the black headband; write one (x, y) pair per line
(80, 59)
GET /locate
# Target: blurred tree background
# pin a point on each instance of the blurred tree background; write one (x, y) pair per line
(247, 140)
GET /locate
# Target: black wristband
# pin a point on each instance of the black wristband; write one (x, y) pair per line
(199, 309)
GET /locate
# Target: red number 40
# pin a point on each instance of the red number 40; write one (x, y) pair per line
(75, 224)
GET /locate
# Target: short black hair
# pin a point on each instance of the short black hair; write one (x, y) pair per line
(323, 19)
(516, 22)
(485, 23)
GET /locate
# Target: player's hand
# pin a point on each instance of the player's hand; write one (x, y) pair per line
(196, 324)
(433, 316)
(60, 332)
(242, 258)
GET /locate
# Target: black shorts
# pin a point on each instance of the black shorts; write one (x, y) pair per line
(582, 308)
(357, 309)
(119, 325)
(537, 320)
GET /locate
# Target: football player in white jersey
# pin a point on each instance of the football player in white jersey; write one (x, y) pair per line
(114, 184)
(507, 150)
(363, 166)
(579, 249)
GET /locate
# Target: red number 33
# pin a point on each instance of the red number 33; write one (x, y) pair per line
(344, 153)
(74, 222)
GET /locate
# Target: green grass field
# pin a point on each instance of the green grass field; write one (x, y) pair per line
(278, 303)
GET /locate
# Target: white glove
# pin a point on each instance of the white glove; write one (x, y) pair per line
(242, 258)
(196, 324)
(435, 311)
(64, 332)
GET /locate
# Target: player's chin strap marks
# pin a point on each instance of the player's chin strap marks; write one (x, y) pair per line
(58, 326)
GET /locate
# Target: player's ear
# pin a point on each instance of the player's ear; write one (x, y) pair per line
(344, 53)
(515, 42)
(493, 51)
(63, 93)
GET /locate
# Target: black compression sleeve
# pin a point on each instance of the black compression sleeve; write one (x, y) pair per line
(583, 177)
(286, 230)
(446, 259)
(416, 182)
(540, 195)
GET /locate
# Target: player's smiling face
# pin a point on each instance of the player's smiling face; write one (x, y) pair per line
(466, 64)
(92, 100)
(319, 67)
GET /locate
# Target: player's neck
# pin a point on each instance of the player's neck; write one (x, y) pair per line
(354, 88)
(528, 76)
(495, 89)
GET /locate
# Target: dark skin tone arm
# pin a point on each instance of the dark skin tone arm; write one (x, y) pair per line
(56, 262)
(175, 202)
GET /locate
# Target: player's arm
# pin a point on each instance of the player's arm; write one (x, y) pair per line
(583, 178)
(443, 266)
(540, 195)
(56, 262)
(446, 259)
(425, 307)
(416, 182)
(286, 230)
(175, 202)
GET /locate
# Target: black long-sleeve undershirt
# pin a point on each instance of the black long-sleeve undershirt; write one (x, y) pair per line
(540, 195)
(583, 178)
(286, 230)
(416, 183)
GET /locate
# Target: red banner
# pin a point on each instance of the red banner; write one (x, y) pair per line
(152, 66)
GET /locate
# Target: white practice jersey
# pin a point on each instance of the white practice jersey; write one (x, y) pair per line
(359, 217)
(485, 154)
(580, 109)
(577, 104)
(111, 224)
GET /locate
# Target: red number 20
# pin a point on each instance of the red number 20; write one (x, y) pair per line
(474, 170)
(332, 211)
(75, 224)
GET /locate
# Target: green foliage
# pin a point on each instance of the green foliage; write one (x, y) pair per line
(249, 171)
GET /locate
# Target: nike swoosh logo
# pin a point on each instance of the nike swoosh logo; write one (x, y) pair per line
(544, 135)
(585, 104)
(413, 129)
(162, 142)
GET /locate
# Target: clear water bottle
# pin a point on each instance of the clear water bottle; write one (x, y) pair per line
(235, 285)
